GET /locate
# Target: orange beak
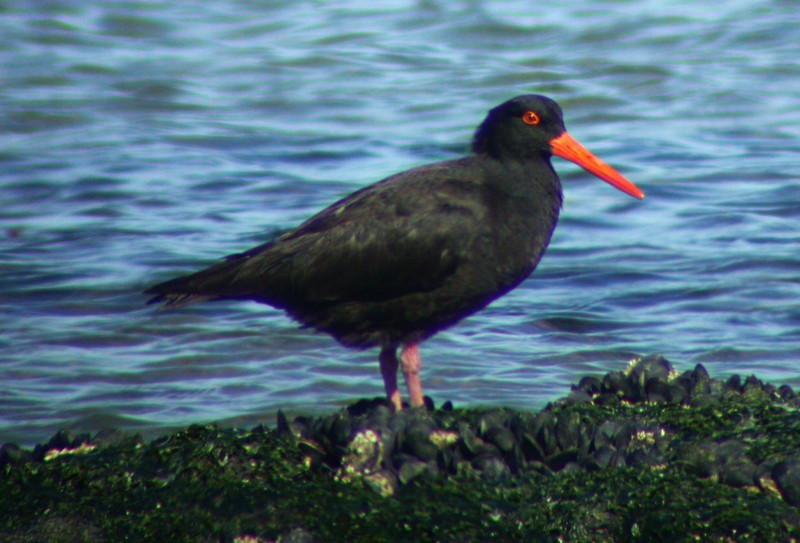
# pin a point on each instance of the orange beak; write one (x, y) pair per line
(568, 147)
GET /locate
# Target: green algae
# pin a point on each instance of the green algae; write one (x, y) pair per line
(704, 476)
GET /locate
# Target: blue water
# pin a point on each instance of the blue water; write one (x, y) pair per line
(142, 140)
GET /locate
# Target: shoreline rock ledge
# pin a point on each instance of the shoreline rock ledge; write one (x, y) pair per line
(644, 454)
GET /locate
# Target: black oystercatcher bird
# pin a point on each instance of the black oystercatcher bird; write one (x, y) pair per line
(397, 261)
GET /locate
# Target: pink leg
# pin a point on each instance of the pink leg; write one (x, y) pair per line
(388, 359)
(412, 364)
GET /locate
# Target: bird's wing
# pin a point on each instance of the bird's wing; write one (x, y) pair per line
(406, 234)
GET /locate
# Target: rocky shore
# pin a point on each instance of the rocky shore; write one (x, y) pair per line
(645, 454)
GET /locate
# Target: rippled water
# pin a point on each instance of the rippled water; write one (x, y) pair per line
(146, 139)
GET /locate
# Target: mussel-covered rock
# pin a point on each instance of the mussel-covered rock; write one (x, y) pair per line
(642, 454)
(787, 475)
(619, 421)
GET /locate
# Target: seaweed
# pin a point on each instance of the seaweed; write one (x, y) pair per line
(641, 455)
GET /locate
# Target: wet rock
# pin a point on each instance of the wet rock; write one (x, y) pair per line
(733, 384)
(590, 385)
(578, 397)
(738, 471)
(496, 418)
(657, 390)
(675, 435)
(109, 438)
(639, 458)
(607, 398)
(364, 454)
(339, 429)
(516, 459)
(568, 430)
(469, 439)
(677, 394)
(11, 454)
(645, 368)
(695, 383)
(491, 468)
(786, 393)
(448, 460)
(612, 434)
(726, 461)
(561, 459)
(752, 385)
(420, 444)
(410, 468)
(501, 437)
(530, 448)
(787, 475)
(283, 425)
(617, 384)
(544, 433)
(417, 442)
(606, 457)
(365, 406)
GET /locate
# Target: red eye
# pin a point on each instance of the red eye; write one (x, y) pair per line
(530, 117)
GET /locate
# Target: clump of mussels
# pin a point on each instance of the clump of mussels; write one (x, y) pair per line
(641, 455)
(366, 440)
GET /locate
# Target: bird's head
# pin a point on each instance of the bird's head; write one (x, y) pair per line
(532, 126)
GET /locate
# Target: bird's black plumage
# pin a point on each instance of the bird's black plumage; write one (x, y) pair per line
(397, 261)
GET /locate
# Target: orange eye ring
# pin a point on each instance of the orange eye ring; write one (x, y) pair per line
(531, 117)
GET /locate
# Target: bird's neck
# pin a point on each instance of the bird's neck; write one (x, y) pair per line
(523, 201)
(531, 183)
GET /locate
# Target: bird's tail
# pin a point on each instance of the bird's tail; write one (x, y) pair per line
(213, 283)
